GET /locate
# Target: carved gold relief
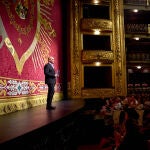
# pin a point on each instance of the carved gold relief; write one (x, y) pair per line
(119, 49)
(97, 55)
(15, 104)
(93, 24)
(98, 93)
(75, 65)
(79, 57)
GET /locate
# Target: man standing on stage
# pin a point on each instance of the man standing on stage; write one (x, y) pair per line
(50, 80)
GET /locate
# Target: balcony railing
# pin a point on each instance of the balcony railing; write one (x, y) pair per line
(137, 2)
(138, 57)
(137, 28)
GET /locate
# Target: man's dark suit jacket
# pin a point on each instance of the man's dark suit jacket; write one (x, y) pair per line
(49, 74)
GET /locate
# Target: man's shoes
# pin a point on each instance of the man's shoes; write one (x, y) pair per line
(50, 107)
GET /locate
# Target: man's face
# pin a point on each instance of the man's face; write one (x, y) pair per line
(51, 59)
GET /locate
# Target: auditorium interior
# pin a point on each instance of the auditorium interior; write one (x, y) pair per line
(106, 72)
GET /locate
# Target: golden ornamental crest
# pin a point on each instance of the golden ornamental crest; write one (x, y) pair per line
(21, 8)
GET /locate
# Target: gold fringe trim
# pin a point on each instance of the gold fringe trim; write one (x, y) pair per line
(17, 104)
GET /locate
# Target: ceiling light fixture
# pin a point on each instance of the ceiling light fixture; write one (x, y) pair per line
(138, 67)
(135, 10)
(97, 32)
(98, 63)
(136, 38)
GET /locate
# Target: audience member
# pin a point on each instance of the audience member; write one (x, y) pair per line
(133, 138)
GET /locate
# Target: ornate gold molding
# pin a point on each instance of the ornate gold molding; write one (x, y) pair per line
(91, 56)
(75, 55)
(97, 93)
(96, 24)
(119, 48)
(115, 57)
(15, 104)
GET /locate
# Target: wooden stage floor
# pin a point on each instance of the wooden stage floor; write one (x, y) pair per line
(17, 124)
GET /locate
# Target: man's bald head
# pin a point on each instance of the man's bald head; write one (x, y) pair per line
(51, 59)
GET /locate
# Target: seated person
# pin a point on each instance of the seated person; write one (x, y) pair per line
(146, 124)
(133, 138)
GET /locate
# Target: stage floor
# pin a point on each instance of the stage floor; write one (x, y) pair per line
(16, 124)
